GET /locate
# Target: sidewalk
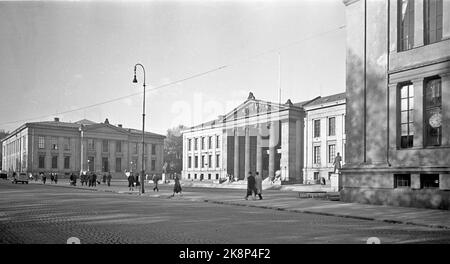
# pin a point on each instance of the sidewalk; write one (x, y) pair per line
(290, 201)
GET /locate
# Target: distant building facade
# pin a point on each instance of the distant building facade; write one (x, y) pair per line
(64, 148)
(324, 136)
(260, 136)
(398, 103)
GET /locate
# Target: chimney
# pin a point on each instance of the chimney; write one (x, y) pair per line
(119, 125)
(56, 119)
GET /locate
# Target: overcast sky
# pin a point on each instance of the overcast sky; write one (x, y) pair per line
(60, 56)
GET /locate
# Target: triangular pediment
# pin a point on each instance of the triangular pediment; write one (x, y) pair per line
(252, 107)
(105, 128)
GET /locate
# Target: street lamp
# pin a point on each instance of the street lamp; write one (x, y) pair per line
(143, 124)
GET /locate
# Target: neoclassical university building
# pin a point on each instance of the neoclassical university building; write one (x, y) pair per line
(63, 147)
(266, 137)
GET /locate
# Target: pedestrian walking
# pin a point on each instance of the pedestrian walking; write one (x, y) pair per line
(108, 178)
(176, 187)
(104, 178)
(155, 180)
(52, 177)
(73, 179)
(136, 179)
(250, 186)
(90, 177)
(130, 178)
(94, 179)
(43, 177)
(337, 163)
(55, 178)
(258, 184)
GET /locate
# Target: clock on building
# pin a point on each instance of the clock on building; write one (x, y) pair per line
(435, 120)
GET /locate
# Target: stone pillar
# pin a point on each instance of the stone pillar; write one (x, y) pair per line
(236, 154)
(272, 149)
(418, 113)
(259, 163)
(445, 89)
(247, 152)
(418, 23)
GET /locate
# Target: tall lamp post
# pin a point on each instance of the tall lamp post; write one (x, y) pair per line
(143, 125)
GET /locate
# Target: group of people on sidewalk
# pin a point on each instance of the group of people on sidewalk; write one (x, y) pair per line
(90, 179)
(254, 186)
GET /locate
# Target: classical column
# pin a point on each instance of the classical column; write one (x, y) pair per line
(247, 152)
(236, 154)
(259, 163)
(272, 149)
(418, 113)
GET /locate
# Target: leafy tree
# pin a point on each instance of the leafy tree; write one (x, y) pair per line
(173, 149)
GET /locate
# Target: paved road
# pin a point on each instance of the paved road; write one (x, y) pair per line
(47, 214)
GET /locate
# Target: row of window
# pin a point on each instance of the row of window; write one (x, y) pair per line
(91, 162)
(426, 181)
(331, 127)
(204, 164)
(432, 113)
(331, 154)
(91, 145)
(432, 22)
(202, 176)
(15, 146)
(203, 142)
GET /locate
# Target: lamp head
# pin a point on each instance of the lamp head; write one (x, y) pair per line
(135, 79)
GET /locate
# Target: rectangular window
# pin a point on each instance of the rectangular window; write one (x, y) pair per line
(189, 144)
(209, 142)
(153, 149)
(203, 161)
(66, 144)
(217, 160)
(118, 164)
(195, 143)
(41, 142)
(433, 21)
(134, 145)
(316, 128)
(203, 143)
(331, 153)
(405, 24)
(189, 162)
(41, 161)
(217, 141)
(54, 143)
(331, 126)
(67, 162)
(316, 155)
(91, 145)
(209, 161)
(105, 147)
(429, 180)
(217, 176)
(406, 116)
(153, 165)
(433, 112)
(54, 162)
(402, 180)
(316, 176)
(105, 165)
(118, 146)
(196, 162)
(90, 163)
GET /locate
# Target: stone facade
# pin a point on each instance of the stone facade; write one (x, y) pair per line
(329, 113)
(398, 121)
(71, 147)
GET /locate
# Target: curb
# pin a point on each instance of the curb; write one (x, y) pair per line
(265, 207)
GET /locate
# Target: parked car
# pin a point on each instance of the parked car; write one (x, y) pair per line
(20, 177)
(3, 175)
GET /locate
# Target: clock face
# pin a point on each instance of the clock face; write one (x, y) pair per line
(435, 120)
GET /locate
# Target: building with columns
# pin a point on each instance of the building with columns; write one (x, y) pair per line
(64, 147)
(324, 136)
(398, 103)
(255, 136)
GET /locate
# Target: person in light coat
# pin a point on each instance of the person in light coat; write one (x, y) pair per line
(258, 184)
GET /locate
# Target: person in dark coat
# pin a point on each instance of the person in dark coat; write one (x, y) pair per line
(258, 185)
(94, 179)
(155, 180)
(73, 179)
(176, 187)
(130, 181)
(108, 178)
(90, 177)
(104, 178)
(55, 178)
(251, 186)
(43, 177)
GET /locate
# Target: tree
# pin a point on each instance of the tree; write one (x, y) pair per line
(173, 149)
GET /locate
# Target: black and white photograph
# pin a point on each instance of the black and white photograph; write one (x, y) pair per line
(225, 127)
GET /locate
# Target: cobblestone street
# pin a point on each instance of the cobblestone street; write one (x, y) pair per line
(47, 214)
